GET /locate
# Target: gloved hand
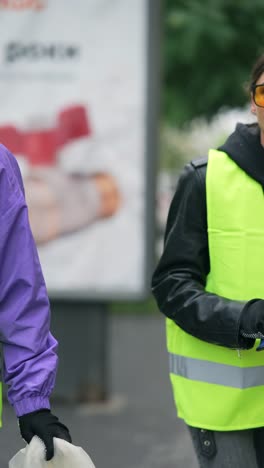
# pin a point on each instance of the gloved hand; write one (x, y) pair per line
(252, 321)
(45, 425)
(252, 317)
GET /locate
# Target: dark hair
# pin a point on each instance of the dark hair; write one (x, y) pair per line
(257, 70)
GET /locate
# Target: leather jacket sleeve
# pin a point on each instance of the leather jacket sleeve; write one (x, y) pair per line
(178, 283)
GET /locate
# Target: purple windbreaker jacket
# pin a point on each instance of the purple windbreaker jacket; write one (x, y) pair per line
(29, 349)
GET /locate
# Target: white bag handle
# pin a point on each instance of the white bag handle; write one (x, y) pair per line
(66, 455)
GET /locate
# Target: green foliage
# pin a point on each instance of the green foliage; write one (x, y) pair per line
(174, 150)
(208, 49)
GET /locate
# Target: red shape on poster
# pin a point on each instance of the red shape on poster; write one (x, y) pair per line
(40, 146)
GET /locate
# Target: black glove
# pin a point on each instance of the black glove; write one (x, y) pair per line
(45, 425)
(252, 319)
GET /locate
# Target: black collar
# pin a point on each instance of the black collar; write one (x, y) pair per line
(244, 147)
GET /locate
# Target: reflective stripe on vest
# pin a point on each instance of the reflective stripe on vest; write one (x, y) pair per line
(215, 373)
(215, 387)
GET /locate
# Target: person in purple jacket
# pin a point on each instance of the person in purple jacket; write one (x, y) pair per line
(29, 349)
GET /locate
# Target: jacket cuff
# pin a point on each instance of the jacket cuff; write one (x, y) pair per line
(247, 325)
(245, 342)
(28, 405)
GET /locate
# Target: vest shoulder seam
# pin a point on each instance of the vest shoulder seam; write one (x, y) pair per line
(200, 162)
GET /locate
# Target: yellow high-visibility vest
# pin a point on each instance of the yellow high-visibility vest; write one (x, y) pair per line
(215, 387)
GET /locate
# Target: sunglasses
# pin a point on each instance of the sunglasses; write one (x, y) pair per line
(258, 94)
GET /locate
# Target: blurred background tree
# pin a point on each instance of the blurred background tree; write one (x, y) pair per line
(207, 51)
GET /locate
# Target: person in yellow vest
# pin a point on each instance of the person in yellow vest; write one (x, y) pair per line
(209, 283)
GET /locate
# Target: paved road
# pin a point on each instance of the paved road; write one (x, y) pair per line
(137, 427)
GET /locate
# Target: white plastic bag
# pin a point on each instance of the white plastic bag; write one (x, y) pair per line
(65, 456)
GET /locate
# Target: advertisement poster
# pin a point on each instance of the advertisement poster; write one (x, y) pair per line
(73, 108)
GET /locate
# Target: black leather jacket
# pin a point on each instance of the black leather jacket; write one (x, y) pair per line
(179, 280)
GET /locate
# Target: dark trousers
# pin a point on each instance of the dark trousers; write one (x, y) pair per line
(236, 449)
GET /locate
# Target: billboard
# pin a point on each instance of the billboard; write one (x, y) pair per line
(74, 106)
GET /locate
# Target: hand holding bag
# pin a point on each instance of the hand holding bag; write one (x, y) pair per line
(66, 455)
